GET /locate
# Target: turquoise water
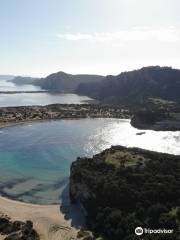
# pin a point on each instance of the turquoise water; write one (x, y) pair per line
(35, 158)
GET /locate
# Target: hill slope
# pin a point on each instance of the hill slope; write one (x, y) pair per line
(67, 82)
(60, 81)
(122, 188)
(136, 86)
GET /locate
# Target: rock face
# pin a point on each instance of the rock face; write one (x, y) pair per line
(122, 188)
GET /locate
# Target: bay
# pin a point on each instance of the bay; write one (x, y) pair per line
(35, 158)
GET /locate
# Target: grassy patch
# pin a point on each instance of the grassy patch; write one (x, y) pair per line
(173, 212)
(124, 159)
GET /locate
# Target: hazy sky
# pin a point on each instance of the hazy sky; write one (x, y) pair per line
(38, 37)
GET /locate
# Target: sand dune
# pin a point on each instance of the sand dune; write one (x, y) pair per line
(48, 220)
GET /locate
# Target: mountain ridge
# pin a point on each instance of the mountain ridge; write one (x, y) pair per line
(136, 86)
(59, 81)
(128, 88)
(65, 82)
(6, 77)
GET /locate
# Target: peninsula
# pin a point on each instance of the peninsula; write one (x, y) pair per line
(157, 114)
(122, 188)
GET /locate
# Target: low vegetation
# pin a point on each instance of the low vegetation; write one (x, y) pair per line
(124, 159)
(157, 114)
(17, 230)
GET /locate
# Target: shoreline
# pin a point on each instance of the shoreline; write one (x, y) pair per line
(11, 116)
(48, 220)
(27, 204)
(13, 124)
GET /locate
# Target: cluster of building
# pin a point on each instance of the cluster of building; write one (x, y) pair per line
(61, 111)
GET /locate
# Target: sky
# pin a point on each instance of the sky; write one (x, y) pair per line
(39, 37)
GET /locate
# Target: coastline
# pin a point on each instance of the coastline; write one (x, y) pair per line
(48, 220)
(11, 116)
(13, 124)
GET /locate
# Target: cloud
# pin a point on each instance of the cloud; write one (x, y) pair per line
(170, 34)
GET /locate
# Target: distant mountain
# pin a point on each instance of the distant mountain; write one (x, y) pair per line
(136, 86)
(133, 87)
(64, 82)
(6, 77)
(25, 80)
(60, 81)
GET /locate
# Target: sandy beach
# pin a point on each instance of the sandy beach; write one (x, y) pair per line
(48, 221)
